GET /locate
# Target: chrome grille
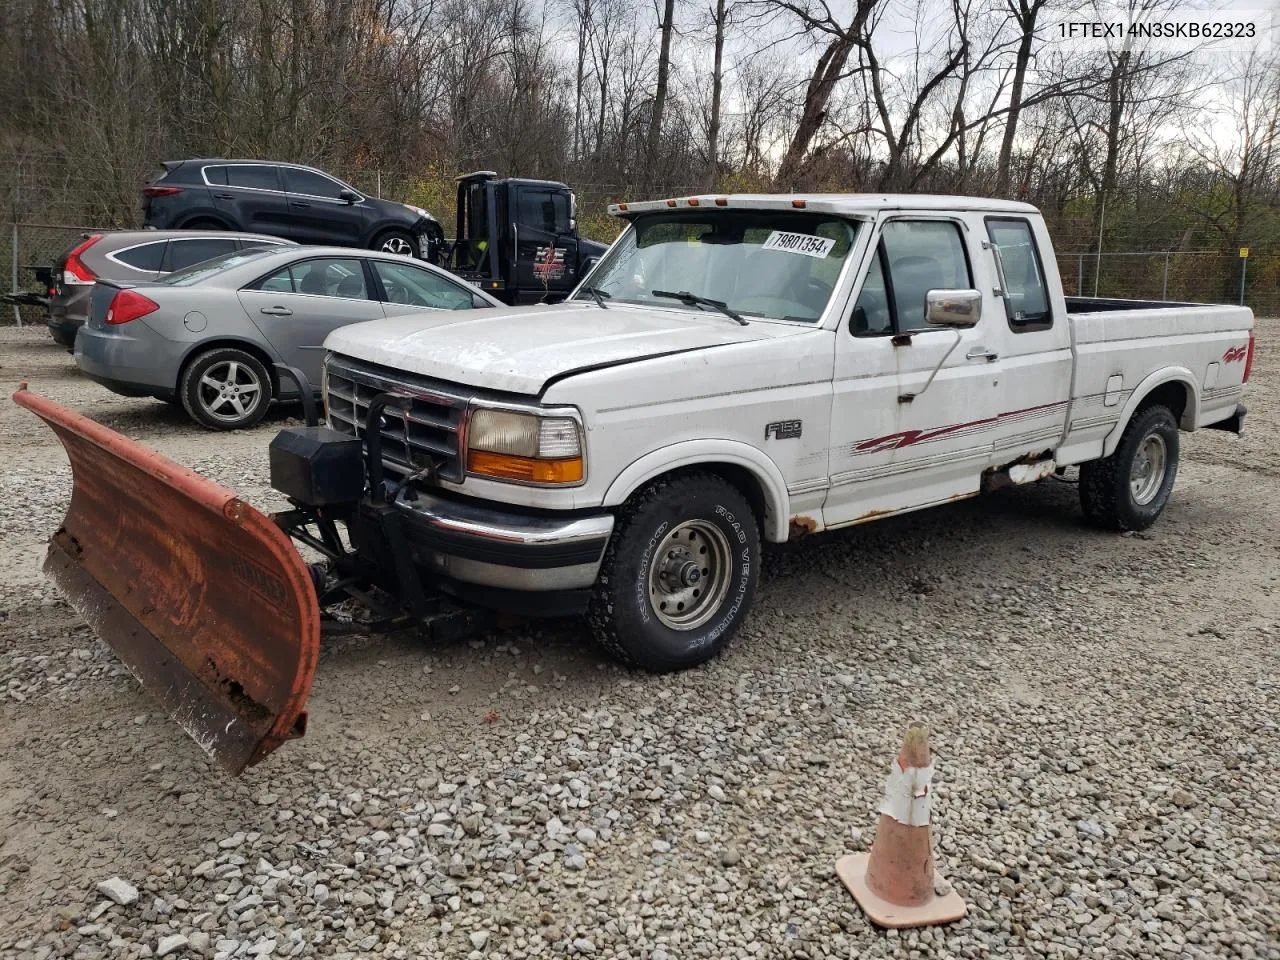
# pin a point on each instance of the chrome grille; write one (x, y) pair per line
(430, 432)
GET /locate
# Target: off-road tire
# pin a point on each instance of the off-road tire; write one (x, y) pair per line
(621, 614)
(400, 237)
(189, 386)
(1105, 491)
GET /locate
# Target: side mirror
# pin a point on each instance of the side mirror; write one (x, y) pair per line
(952, 308)
(348, 196)
(589, 264)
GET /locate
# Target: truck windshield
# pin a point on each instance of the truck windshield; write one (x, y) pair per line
(773, 264)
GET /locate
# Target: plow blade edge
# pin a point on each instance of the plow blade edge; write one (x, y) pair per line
(203, 597)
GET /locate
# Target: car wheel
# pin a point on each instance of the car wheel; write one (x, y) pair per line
(1130, 489)
(397, 241)
(225, 389)
(678, 574)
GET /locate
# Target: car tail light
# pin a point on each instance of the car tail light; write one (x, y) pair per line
(74, 272)
(1248, 359)
(160, 191)
(128, 305)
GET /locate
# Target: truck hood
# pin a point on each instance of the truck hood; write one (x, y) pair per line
(520, 349)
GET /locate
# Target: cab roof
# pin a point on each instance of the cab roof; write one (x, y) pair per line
(863, 205)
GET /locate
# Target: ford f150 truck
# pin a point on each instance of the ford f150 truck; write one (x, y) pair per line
(734, 370)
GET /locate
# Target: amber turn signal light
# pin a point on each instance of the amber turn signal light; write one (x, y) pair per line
(504, 466)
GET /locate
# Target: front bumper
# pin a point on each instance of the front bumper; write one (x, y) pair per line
(507, 551)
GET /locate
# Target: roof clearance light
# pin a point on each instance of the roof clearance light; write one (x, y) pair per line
(693, 201)
(671, 203)
(722, 201)
(798, 204)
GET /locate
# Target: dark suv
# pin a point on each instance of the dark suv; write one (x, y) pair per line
(284, 200)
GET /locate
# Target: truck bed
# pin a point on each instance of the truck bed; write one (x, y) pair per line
(1123, 346)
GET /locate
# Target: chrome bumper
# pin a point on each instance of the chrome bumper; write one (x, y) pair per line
(509, 551)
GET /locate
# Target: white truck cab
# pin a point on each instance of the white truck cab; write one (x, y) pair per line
(745, 368)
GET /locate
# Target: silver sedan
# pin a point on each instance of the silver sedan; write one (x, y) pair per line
(209, 337)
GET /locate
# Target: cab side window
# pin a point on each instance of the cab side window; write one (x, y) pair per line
(1026, 300)
(913, 257)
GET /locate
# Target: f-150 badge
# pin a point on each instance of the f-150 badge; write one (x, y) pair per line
(783, 429)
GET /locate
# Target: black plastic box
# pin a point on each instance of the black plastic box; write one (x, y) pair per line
(317, 466)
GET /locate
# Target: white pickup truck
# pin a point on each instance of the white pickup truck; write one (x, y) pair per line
(747, 368)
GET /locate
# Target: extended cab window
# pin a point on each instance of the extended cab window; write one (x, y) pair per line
(774, 264)
(1026, 300)
(914, 257)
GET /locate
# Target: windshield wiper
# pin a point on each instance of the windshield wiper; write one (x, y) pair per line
(693, 300)
(600, 296)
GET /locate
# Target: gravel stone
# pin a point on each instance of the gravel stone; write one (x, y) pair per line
(120, 891)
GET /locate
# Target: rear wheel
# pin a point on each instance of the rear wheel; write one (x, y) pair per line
(225, 389)
(678, 574)
(397, 241)
(1130, 489)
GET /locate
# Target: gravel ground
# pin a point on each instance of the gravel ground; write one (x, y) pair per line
(1103, 708)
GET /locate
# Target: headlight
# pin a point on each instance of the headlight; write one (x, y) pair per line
(526, 447)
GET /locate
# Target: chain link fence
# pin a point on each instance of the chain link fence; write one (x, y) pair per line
(1192, 276)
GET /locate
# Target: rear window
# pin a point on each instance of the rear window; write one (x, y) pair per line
(145, 256)
(196, 273)
(184, 253)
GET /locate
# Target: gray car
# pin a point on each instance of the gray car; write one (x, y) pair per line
(208, 337)
(131, 256)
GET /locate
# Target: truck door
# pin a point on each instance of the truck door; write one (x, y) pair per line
(899, 439)
(546, 248)
(1031, 335)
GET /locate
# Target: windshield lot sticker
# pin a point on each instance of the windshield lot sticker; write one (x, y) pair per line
(804, 243)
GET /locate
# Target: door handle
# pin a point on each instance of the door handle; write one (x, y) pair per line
(224, 196)
(277, 311)
(982, 353)
(298, 203)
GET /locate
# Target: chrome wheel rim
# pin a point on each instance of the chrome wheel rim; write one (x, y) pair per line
(397, 245)
(690, 574)
(1146, 475)
(230, 391)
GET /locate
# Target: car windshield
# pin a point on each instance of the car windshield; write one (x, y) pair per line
(779, 265)
(207, 268)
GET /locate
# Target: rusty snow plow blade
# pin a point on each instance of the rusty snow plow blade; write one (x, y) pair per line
(203, 597)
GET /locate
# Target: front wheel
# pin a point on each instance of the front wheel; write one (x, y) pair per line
(1130, 489)
(225, 389)
(678, 574)
(397, 241)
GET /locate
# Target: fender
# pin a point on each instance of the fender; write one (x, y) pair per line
(1167, 375)
(690, 453)
(212, 213)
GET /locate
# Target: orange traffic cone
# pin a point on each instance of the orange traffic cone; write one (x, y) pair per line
(896, 885)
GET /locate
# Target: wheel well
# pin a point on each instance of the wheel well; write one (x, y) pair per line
(738, 477)
(201, 219)
(249, 348)
(1175, 395)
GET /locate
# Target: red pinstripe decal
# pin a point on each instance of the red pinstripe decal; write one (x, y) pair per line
(907, 438)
